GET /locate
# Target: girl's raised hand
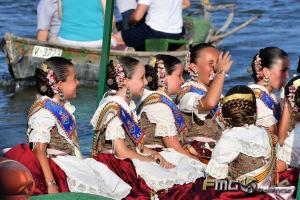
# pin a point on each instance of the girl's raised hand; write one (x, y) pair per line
(224, 62)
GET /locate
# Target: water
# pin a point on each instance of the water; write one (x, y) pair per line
(278, 27)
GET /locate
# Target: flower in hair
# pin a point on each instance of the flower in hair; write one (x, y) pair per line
(291, 98)
(51, 77)
(161, 73)
(52, 80)
(120, 75)
(188, 61)
(258, 67)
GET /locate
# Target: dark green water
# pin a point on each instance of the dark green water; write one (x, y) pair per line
(280, 26)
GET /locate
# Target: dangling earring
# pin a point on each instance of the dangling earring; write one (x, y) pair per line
(166, 88)
(195, 76)
(128, 93)
(266, 81)
(61, 95)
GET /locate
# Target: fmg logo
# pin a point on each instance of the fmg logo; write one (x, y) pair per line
(249, 184)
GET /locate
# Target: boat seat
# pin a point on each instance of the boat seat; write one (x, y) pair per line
(196, 29)
(164, 44)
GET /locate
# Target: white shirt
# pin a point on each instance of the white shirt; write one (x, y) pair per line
(124, 5)
(164, 15)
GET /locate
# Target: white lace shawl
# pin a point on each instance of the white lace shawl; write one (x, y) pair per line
(114, 129)
(41, 123)
(265, 116)
(289, 152)
(252, 141)
(161, 115)
(190, 101)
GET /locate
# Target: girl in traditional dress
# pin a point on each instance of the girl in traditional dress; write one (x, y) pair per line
(199, 97)
(53, 155)
(159, 115)
(270, 72)
(289, 151)
(118, 135)
(244, 149)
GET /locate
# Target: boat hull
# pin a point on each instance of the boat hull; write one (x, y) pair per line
(22, 61)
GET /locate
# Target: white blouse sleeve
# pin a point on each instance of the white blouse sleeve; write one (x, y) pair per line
(114, 129)
(289, 152)
(161, 115)
(224, 152)
(189, 104)
(40, 125)
(265, 117)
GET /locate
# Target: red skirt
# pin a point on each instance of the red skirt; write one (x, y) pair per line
(126, 171)
(24, 155)
(292, 176)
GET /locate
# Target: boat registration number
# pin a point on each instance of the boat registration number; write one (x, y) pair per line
(45, 52)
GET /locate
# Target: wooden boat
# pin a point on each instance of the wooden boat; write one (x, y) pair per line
(25, 54)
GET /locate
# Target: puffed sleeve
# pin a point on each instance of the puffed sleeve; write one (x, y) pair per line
(224, 152)
(265, 117)
(114, 128)
(40, 125)
(161, 115)
(189, 104)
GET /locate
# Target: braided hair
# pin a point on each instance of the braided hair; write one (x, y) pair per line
(151, 68)
(238, 112)
(292, 93)
(60, 68)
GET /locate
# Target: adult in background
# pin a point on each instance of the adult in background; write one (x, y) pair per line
(163, 20)
(126, 8)
(82, 23)
(48, 20)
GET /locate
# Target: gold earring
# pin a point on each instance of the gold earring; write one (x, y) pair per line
(128, 93)
(266, 81)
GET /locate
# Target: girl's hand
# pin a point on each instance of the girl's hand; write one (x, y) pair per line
(162, 162)
(224, 62)
(52, 189)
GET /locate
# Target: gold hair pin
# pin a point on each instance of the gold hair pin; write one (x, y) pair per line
(296, 83)
(44, 67)
(152, 61)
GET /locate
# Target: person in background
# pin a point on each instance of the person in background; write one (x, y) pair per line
(82, 23)
(48, 20)
(163, 20)
(126, 8)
